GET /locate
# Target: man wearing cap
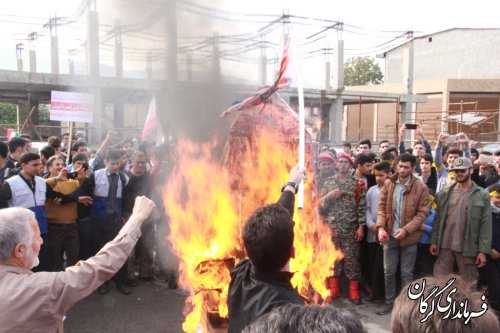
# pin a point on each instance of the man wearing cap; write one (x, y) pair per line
(343, 206)
(462, 229)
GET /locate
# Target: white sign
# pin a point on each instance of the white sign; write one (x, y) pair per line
(71, 106)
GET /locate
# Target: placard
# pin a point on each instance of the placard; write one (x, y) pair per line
(71, 106)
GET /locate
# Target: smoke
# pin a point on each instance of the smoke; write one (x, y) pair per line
(200, 56)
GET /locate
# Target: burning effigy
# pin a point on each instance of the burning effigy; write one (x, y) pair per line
(208, 200)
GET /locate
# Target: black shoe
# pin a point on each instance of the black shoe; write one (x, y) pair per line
(133, 282)
(147, 278)
(387, 308)
(172, 284)
(123, 288)
(356, 301)
(371, 298)
(103, 289)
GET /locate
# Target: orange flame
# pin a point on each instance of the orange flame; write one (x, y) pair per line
(207, 214)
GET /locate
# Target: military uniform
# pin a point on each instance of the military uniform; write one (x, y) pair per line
(344, 215)
(319, 182)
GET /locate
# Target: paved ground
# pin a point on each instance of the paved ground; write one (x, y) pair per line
(152, 307)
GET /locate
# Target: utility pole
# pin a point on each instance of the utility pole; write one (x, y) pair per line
(337, 110)
(171, 44)
(118, 50)
(215, 58)
(54, 45)
(327, 69)
(92, 40)
(19, 56)
(71, 63)
(93, 68)
(32, 37)
(407, 107)
(118, 105)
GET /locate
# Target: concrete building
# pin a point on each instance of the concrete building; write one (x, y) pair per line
(458, 70)
(450, 54)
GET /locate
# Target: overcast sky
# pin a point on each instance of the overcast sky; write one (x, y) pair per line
(367, 25)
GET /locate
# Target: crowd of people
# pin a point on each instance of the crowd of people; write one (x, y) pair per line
(82, 197)
(404, 213)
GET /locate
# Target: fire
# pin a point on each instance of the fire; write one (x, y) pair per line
(208, 207)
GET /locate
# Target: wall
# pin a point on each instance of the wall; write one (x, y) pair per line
(452, 54)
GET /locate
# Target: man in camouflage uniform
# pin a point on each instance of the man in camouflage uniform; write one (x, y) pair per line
(343, 207)
(326, 169)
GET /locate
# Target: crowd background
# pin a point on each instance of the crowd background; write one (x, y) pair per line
(82, 195)
(400, 213)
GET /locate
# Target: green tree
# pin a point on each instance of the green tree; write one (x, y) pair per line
(44, 113)
(359, 71)
(8, 113)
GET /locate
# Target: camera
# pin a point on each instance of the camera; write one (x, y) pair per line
(411, 126)
(451, 138)
(72, 175)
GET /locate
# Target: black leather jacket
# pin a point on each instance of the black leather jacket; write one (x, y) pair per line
(253, 293)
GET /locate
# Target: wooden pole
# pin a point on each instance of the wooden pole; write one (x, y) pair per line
(68, 157)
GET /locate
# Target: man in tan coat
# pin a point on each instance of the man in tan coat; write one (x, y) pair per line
(37, 302)
(403, 208)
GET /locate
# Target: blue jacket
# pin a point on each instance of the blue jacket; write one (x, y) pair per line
(426, 237)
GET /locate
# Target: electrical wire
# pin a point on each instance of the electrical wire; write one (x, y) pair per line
(200, 48)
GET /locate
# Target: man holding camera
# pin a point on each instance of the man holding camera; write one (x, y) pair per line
(420, 147)
(63, 233)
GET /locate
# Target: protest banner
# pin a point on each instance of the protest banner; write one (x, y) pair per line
(71, 106)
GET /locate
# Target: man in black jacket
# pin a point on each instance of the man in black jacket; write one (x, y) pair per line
(262, 282)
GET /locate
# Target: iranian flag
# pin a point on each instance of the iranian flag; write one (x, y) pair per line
(152, 131)
(11, 133)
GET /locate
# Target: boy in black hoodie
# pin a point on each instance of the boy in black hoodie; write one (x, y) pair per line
(262, 282)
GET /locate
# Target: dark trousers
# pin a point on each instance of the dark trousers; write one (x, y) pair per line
(376, 269)
(142, 256)
(43, 255)
(425, 261)
(489, 276)
(101, 232)
(63, 238)
(84, 236)
(364, 262)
